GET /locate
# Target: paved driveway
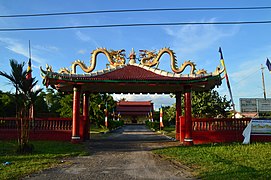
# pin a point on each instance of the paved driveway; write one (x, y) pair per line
(124, 154)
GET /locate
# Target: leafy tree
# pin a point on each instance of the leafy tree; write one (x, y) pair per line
(204, 104)
(52, 99)
(7, 102)
(209, 104)
(98, 103)
(96, 112)
(66, 103)
(169, 114)
(41, 107)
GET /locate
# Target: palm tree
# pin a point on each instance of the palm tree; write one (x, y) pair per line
(15, 78)
(25, 97)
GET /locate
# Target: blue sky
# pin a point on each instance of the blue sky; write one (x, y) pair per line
(245, 47)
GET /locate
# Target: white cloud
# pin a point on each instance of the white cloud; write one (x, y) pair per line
(82, 37)
(192, 38)
(86, 38)
(46, 48)
(82, 51)
(17, 47)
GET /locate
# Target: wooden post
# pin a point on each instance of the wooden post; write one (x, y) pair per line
(188, 140)
(86, 115)
(178, 114)
(76, 114)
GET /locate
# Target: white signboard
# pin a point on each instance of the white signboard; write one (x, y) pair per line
(248, 105)
(264, 105)
(255, 105)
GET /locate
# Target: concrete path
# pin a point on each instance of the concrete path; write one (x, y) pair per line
(124, 154)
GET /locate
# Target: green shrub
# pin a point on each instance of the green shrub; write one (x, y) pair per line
(153, 125)
(114, 124)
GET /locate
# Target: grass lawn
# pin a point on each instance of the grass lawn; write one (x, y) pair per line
(46, 154)
(224, 161)
(169, 131)
(96, 130)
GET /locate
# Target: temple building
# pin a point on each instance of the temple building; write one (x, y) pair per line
(134, 112)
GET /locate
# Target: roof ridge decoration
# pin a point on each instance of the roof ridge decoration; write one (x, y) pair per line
(115, 58)
(151, 58)
(148, 59)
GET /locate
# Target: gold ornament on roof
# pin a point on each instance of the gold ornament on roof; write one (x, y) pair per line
(115, 58)
(152, 58)
(147, 58)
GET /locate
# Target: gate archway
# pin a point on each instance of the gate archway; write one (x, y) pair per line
(121, 77)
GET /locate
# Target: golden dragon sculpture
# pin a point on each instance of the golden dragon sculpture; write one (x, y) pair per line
(151, 58)
(115, 58)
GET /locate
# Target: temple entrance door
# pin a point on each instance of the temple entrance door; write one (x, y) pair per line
(134, 120)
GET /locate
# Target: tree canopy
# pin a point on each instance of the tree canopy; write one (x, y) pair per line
(204, 104)
(209, 104)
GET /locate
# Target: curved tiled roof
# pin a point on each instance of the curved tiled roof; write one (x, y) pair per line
(132, 72)
(134, 103)
(132, 78)
(129, 72)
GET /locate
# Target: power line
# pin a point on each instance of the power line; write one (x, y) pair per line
(135, 25)
(244, 78)
(135, 10)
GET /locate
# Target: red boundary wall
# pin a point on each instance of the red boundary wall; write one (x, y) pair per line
(60, 135)
(224, 130)
(58, 129)
(205, 137)
(205, 130)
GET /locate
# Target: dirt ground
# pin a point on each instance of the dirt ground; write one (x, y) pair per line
(123, 154)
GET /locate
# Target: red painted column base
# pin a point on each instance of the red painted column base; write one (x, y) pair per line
(76, 140)
(188, 142)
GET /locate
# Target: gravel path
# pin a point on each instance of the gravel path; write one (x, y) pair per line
(124, 154)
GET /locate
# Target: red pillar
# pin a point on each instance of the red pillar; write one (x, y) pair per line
(188, 140)
(86, 123)
(76, 115)
(178, 114)
(182, 129)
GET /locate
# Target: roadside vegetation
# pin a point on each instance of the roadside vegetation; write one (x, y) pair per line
(46, 154)
(168, 131)
(223, 161)
(204, 104)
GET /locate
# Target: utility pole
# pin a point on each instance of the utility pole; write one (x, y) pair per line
(264, 93)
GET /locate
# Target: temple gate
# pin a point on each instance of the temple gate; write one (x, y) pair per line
(120, 77)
